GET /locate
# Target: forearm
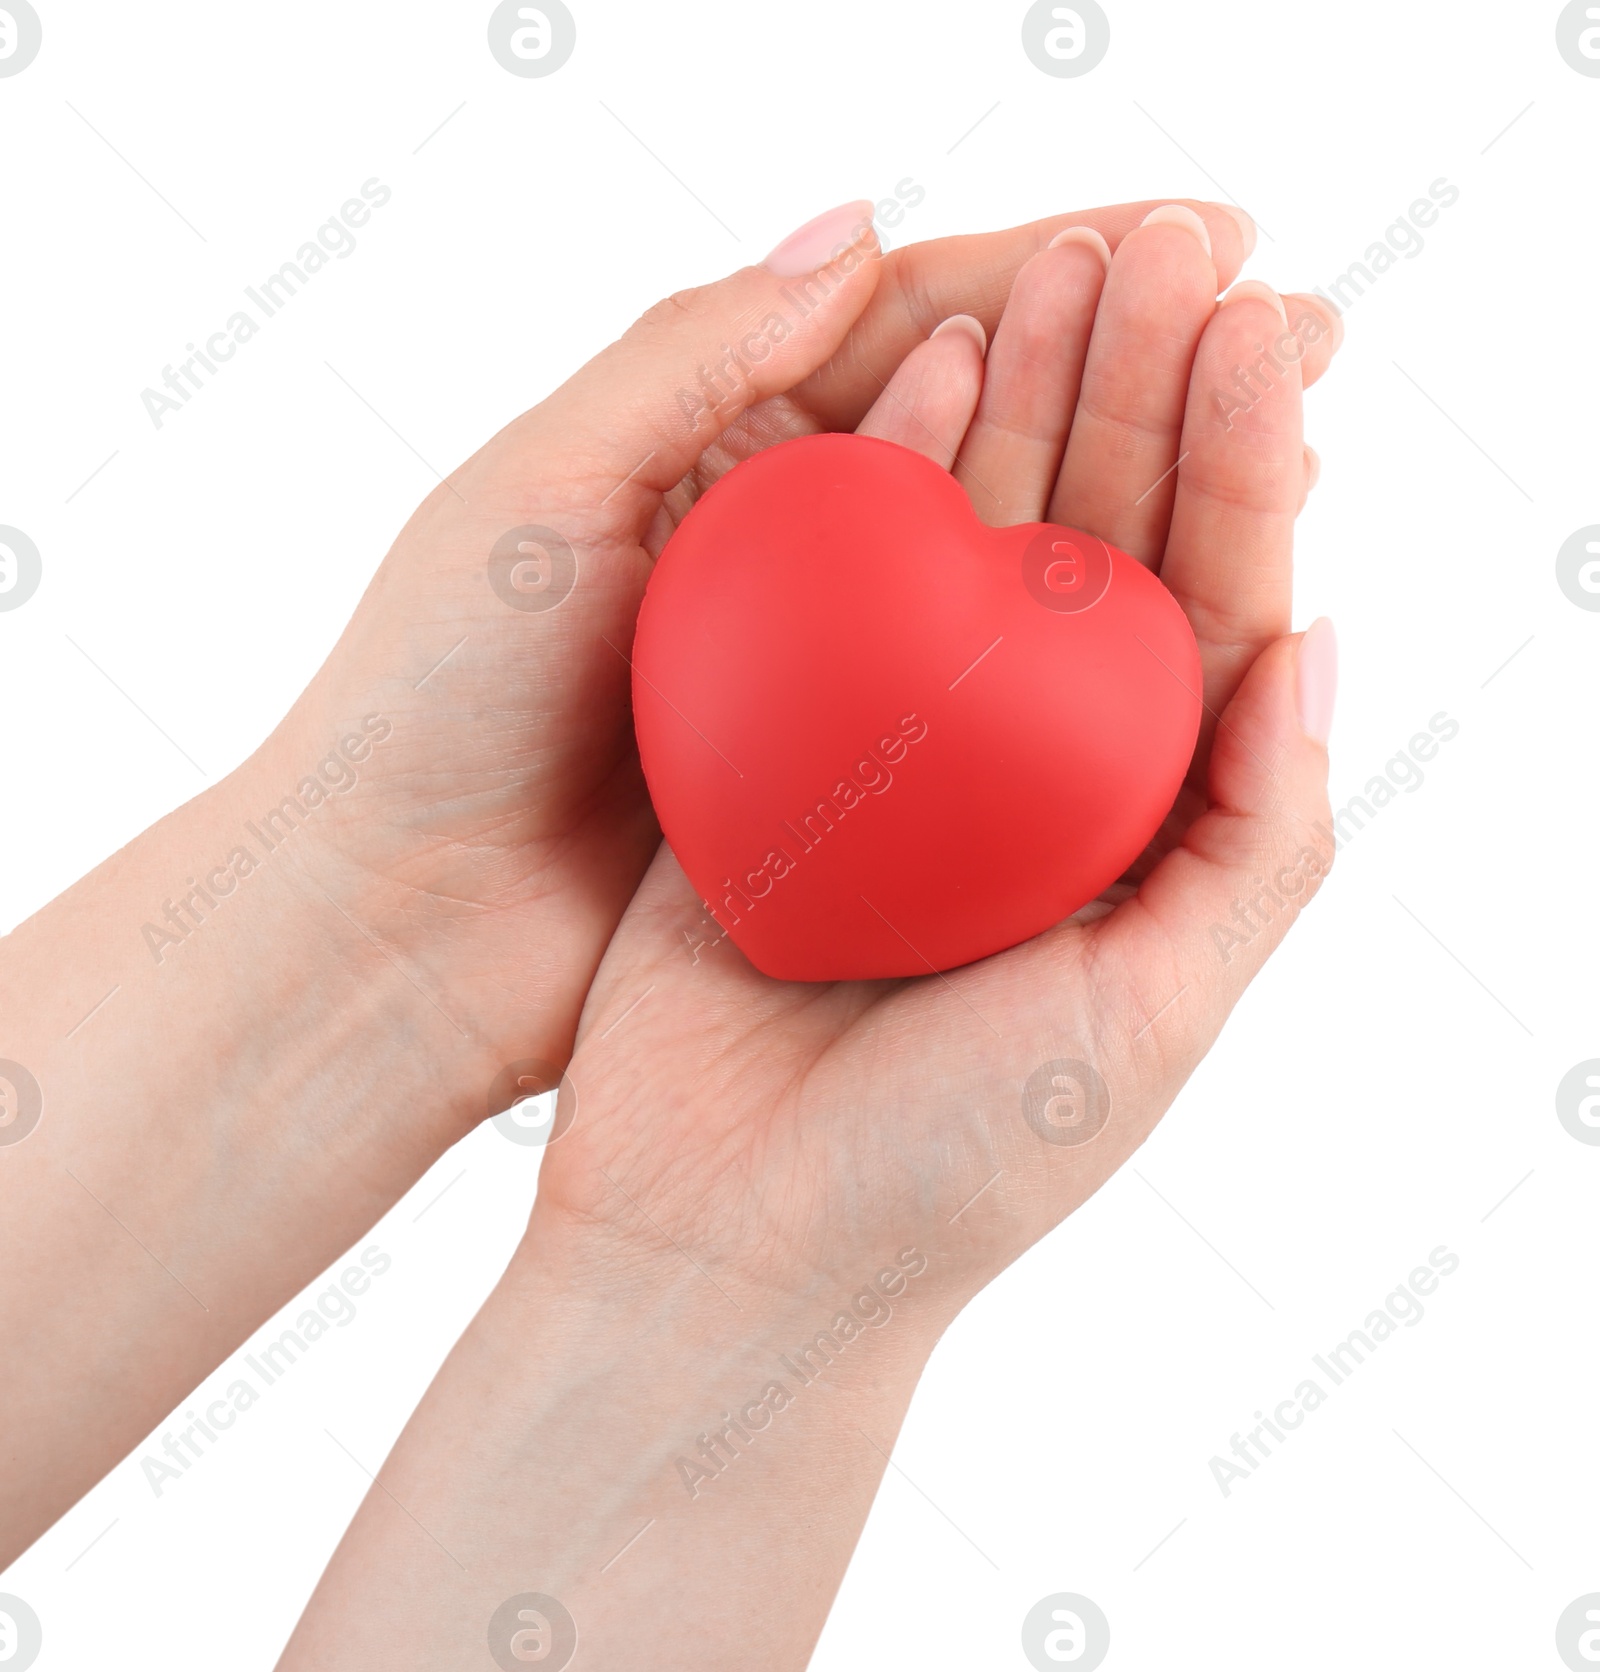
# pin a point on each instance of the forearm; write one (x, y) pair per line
(235, 1082)
(686, 1477)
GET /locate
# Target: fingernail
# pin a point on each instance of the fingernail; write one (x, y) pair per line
(1313, 468)
(1318, 679)
(1247, 227)
(818, 241)
(1082, 235)
(963, 322)
(1327, 315)
(1175, 214)
(1255, 290)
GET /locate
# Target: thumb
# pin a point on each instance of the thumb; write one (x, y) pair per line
(642, 411)
(1227, 896)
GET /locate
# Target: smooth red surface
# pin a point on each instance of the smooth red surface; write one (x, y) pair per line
(856, 776)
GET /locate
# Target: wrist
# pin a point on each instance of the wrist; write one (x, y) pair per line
(619, 1437)
(710, 1332)
(233, 918)
(226, 1084)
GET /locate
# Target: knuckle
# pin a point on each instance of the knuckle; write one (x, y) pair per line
(671, 312)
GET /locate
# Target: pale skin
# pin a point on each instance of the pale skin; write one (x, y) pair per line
(748, 1153)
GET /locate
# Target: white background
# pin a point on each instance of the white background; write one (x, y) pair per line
(1378, 1093)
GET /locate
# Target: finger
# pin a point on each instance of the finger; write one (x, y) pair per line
(1313, 474)
(634, 420)
(1011, 454)
(1320, 329)
(1230, 552)
(1211, 913)
(922, 284)
(1116, 479)
(928, 403)
(1167, 966)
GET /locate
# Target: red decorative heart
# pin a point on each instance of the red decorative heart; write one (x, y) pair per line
(882, 738)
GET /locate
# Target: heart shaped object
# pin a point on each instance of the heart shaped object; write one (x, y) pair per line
(883, 739)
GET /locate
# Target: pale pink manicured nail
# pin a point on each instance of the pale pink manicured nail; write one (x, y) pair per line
(1255, 290)
(1175, 214)
(1313, 468)
(1082, 235)
(1318, 679)
(1247, 227)
(818, 241)
(963, 322)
